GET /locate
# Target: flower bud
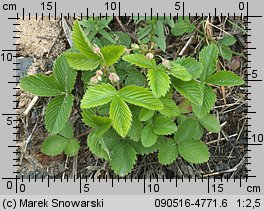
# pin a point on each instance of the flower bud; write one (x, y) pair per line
(113, 77)
(150, 56)
(94, 80)
(134, 46)
(99, 78)
(96, 49)
(99, 73)
(166, 63)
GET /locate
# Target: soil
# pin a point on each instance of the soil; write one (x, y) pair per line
(44, 40)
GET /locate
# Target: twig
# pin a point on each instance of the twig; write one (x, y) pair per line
(30, 106)
(133, 37)
(186, 45)
(67, 31)
(54, 41)
(84, 133)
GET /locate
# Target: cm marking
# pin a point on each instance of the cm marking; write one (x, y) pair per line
(9, 6)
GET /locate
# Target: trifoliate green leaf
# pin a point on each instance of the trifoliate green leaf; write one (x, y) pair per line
(193, 151)
(179, 71)
(140, 61)
(112, 53)
(41, 85)
(190, 89)
(186, 130)
(79, 61)
(210, 123)
(123, 158)
(121, 116)
(140, 96)
(182, 26)
(54, 145)
(164, 126)
(159, 82)
(58, 112)
(168, 152)
(146, 114)
(65, 75)
(72, 147)
(208, 58)
(87, 115)
(148, 137)
(191, 65)
(225, 78)
(209, 99)
(99, 94)
(170, 108)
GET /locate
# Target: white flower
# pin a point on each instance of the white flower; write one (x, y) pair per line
(134, 46)
(96, 49)
(150, 56)
(94, 80)
(166, 63)
(113, 77)
(99, 73)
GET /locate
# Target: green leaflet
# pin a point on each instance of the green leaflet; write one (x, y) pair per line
(168, 152)
(190, 89)
(209, 99)
(160, 39)
(41, 85)
(96, 146)
(54, 145)
(121, 116)
(112, 53)
(148, 137)
(140, 61)
(164, 126)
(191, 65)
(210, 123)
(67, 131)
(136, 128)
(208, 58)
(170, 108)
(226, 52)
(225, 78)
(186, 130)
(135, 78)
(81, 62)
(101, 124)
(72, 147)
(123, 158)
(64, 74)
(98, 95)
(82, 43)
(227, 40)
(58, 112)
(140, 96)
(194, 151)
(146, 114)
(180, 72)
(159, 82)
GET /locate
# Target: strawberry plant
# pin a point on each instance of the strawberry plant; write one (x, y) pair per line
(135, 102)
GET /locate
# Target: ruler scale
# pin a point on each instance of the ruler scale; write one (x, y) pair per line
(205, 193)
